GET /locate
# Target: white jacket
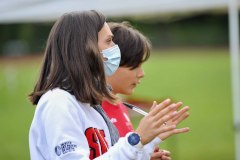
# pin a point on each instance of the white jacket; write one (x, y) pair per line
(66, 129)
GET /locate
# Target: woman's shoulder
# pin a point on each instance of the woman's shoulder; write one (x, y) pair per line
(57, 95)
(59, 99)
(60, 103)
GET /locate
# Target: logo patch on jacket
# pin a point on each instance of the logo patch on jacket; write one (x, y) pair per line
(96, 141)
(65, 147)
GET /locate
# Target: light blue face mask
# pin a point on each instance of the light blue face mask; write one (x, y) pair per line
(112, 57)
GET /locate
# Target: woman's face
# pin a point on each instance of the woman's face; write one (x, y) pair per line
(124, 80)
(105, 37)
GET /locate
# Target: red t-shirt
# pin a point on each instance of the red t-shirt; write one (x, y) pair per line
(119, 116)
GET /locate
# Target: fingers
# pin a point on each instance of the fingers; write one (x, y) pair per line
(166, 158)
(178, 104)
(165, 115)
(181, 115)
(169, 133)
(166, 129)
(157, 149)
(181, 130)
(178, 131)
(181, 118)
(154, 105)
(165, 111)
(166, 153)
(157, 108)
(152, 124)
(156, 156)
(162, 110)
(161, 155)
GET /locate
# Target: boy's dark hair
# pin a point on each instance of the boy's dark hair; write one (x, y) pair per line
(135, 47)
(72, 59)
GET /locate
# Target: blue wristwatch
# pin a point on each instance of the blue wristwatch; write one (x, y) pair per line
(134, 140)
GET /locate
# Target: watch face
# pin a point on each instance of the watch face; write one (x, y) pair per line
(133, 139)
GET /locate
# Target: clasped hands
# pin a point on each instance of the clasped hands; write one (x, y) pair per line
(162, 121)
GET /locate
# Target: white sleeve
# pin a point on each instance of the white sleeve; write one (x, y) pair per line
(148, 149)
(66, 138)
(122, 150)
(63, 128)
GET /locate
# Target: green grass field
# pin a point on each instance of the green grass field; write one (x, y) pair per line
(199, 78)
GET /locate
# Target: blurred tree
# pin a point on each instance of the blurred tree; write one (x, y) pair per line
(203, 30)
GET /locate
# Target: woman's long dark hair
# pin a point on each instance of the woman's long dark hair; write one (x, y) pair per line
(72, 60)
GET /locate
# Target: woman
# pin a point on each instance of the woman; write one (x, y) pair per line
(68, 121)
(135, 49)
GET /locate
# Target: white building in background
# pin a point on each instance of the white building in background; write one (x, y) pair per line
(14, 11)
